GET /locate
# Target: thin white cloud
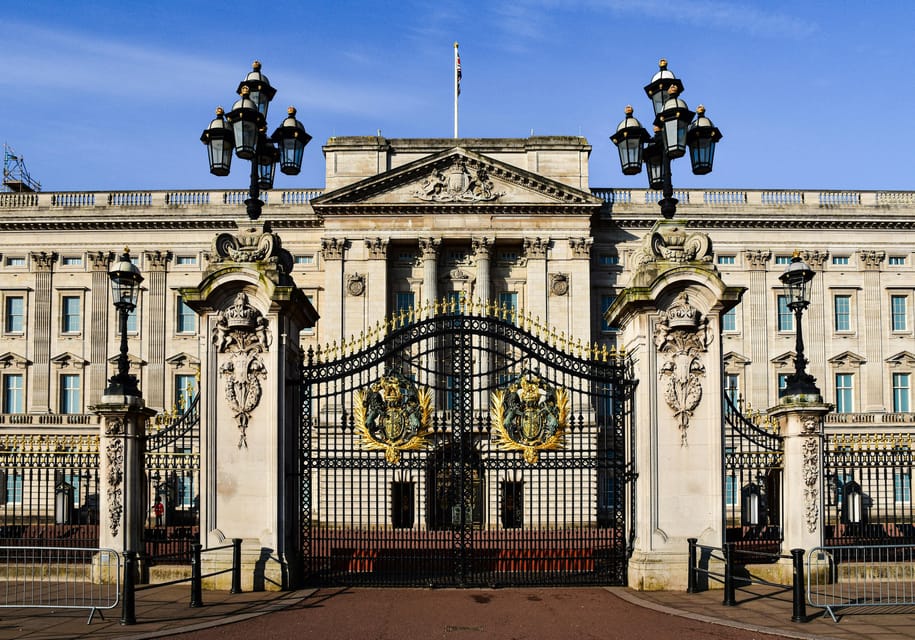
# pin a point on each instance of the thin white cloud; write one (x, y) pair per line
(39, 60)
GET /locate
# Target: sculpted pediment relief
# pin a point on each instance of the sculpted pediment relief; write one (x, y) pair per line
(455, 178)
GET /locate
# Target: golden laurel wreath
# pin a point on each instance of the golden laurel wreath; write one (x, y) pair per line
(392, 415)
(530, 417)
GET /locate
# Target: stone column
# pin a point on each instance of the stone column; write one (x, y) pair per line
(332, 251)
(872, 332)
(377, 285)
(39, 398)
(756, 316)
(817, 319)
(156, 296)
(122, 495)
(99, 327)
(429, 247)
(482, 251)
(535, 250)
(250, 419)
(579, 288)
(801, 424)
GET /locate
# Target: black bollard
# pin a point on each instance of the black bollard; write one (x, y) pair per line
(730, 599)
(196, 576)
(128, 600)
(800, 594)
(236, 566)
(691, 576)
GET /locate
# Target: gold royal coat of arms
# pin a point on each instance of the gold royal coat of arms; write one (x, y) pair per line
(529, 415)
(392, 415)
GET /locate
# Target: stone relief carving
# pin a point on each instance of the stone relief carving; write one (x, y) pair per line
(682, 336)
(377, 248)
(252, 244)
(114, 454)
(458, 183)
(816, 259)
(581, 247)
(810, 449)
(355, 284)
(559, 284)
(757, 258)
(871, 259)
(242, 334)
(671, 243)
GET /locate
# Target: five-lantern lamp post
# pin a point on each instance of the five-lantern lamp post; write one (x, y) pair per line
(795, 281)
(244, 131)
(125, 287)
(674, 131)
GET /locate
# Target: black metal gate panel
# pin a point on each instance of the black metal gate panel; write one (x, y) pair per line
(465, 449)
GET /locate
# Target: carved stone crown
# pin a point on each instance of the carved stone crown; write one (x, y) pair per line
(682, 315)
(241, 315)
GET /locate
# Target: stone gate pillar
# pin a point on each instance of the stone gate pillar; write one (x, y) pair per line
(669, 321)
(250, 414)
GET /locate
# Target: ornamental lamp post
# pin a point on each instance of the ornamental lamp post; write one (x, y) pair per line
(795, 281)
(244, 130)
(125, 287)
(674, 131)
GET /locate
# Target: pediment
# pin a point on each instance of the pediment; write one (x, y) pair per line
(183, 360)
(733, 361)
(902, 359)
(847, 359)
(66, 360)
(453, 179)
(13, 360)
(132, 360)
(784, 360)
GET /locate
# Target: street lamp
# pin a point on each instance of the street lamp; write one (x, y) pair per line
(125, 287)
(244, 130)
(795, 281)
(674, 131)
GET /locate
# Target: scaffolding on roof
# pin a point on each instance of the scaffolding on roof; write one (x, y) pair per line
(16, 177)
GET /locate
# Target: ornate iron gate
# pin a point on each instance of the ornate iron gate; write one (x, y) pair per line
(465, 446)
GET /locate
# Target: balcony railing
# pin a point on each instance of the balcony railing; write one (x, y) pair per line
(894, 419)
(298, 197)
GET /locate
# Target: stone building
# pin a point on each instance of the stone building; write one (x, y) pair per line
(511, 224)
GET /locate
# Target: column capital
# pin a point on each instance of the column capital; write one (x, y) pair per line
(333, 248)
(377, 248)
(99, 260)
(581, 247)
(757, 259)
(871, 260)
(815, 258)
(482, 247)
(429, 247)
(157, 260)
(536, 247)
(43, 260)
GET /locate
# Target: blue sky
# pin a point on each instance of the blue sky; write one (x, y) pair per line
(102, 94)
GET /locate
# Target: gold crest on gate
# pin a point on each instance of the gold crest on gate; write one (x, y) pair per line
(529, 415)
(392, 415)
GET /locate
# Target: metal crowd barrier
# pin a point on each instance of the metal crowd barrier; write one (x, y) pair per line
(60, 578)
(861, 576)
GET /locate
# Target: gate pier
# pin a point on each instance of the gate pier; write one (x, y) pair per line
(670, 324)
(252, 313)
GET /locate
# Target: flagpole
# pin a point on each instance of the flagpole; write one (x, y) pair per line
(457, 86)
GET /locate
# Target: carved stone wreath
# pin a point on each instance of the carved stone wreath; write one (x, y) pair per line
(355, 284)
(559, 284)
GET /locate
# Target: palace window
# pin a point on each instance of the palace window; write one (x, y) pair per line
(609, 260)
(896, 260)
(901, 392)
(782, 259)
(785, 315)
(842, 312)
(186, 320)
(899, 313)
(70, 396)
(729, 320)
(509, 301)
(184, 261)
(732, 387)
(840, 260)
(14, 316)
(783, 381)
(902, 485)
(185, 390)
(70, 318)
(11, 486)
(845, 392)
(310, 331)
(606, 300)
(71, 261)
(13, 393)
(726, 260)
(15, 261)
(305, 260)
